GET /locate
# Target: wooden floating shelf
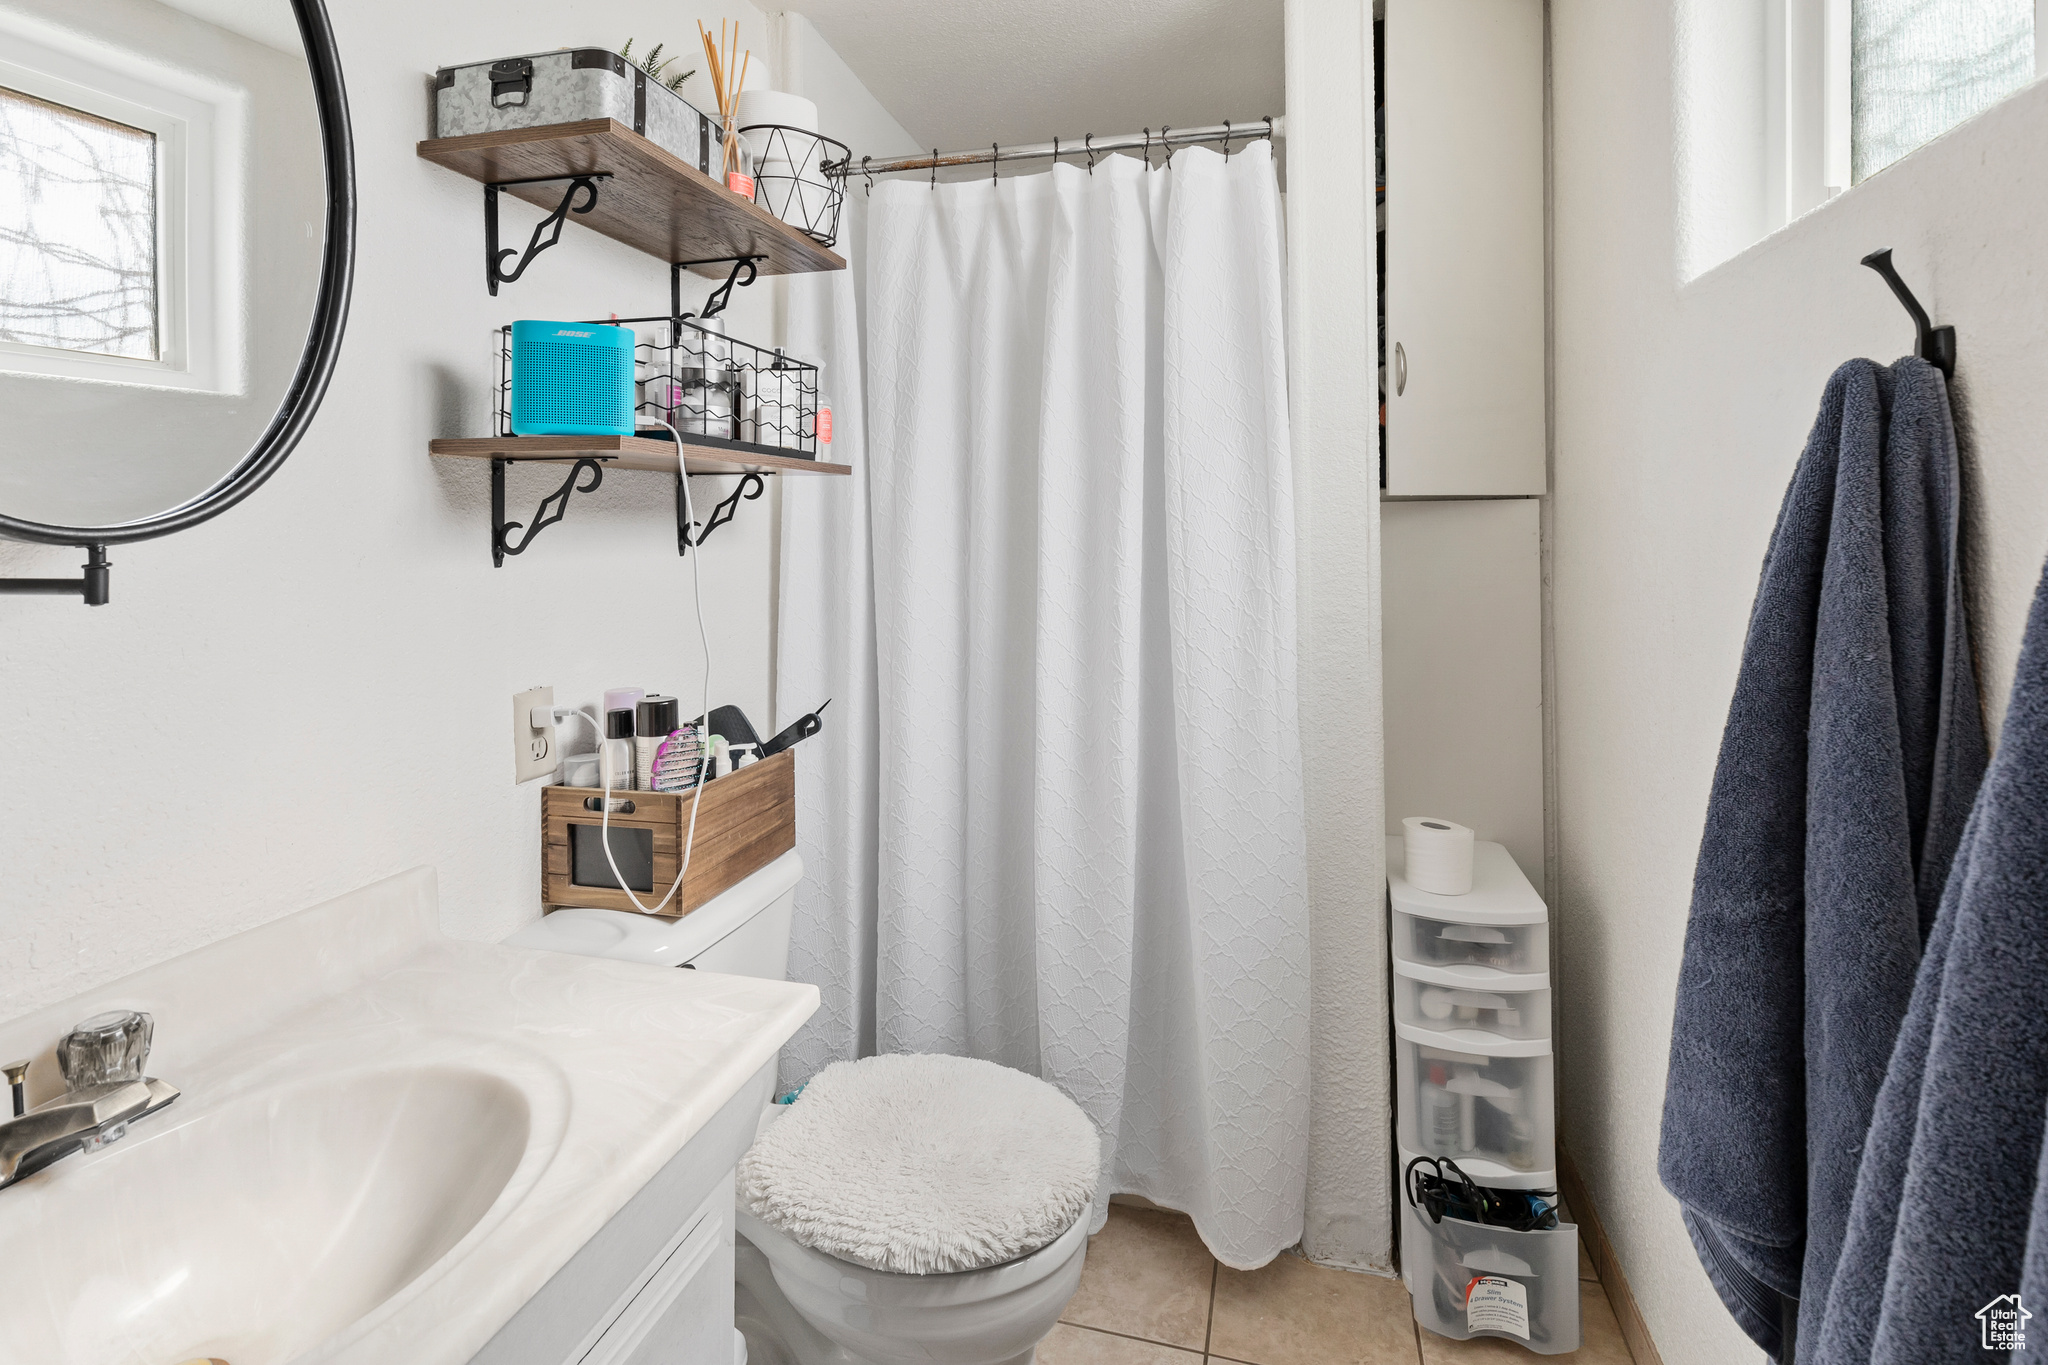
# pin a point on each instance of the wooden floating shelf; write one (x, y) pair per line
(628, 452)
(654, 201)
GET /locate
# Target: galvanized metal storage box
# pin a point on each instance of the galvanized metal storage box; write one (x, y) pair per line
(569, 86)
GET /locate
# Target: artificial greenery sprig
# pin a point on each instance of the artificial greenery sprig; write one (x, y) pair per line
(653, 65)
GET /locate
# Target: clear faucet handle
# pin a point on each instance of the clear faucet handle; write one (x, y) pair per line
(107, 1047)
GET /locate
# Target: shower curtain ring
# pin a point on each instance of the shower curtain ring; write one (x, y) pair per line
(1055, 151)
(1165, 148)
(1088, 146)
(1226, 139)
(870, 175)
(935, 168)
(994, 152)
(1269, 127)
(1148, 149)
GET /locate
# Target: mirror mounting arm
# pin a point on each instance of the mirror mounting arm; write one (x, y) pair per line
(92, 586)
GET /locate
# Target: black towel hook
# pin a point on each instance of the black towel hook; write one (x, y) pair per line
(1935, 345)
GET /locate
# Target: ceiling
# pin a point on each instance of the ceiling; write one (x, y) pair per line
(964, 73)
(270, 22)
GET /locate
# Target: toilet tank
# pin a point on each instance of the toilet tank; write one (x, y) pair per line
(743, 930)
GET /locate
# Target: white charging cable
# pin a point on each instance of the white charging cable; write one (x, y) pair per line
(703, 713)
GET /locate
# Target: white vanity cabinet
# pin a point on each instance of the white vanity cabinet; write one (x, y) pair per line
(683, 1310)
(655, 1285)
(1464, 278)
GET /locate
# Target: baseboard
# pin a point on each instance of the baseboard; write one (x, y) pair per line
(1593, 1236)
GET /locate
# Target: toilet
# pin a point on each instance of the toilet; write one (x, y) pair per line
(796, 1304)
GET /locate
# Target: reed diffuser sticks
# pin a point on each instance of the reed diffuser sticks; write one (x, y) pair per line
(718, 63)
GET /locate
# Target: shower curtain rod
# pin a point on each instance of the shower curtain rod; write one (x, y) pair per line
(1088, 145)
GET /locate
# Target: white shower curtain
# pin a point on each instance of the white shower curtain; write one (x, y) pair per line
(1087, 855)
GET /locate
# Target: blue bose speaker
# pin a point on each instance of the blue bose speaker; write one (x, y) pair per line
(572, 379)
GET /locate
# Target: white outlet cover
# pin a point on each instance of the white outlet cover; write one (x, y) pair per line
(533, 747)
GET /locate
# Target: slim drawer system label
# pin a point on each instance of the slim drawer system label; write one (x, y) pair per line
(1495, 1304)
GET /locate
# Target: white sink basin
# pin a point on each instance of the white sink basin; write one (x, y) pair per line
(254, 1230)
(389, 1141)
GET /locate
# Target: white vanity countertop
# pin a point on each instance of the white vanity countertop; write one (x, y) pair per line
(618, 1066)
(641, 1057)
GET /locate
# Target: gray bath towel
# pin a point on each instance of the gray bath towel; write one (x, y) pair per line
(1853, 748)
(1949, 1213)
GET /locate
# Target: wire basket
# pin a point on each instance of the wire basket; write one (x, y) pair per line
(716, 390)
(790, 180)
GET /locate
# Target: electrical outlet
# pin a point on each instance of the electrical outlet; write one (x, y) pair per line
(533, 746)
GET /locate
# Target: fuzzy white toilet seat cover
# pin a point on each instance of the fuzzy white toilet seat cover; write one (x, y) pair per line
(924, 1165)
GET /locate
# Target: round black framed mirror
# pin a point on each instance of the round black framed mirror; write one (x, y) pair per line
(177, 247)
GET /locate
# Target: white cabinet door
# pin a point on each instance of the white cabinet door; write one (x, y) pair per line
(683, 1314)
(1464, 285)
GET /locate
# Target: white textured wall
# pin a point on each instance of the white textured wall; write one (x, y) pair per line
(1679, 413)
(312, 691)
(1331, 357)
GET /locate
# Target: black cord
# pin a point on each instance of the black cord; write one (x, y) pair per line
(1450, 1193)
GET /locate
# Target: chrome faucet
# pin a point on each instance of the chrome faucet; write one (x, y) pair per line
(102, 1061)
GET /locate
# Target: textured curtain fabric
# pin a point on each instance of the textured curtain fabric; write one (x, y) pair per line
(1088, 850)
(825, 651)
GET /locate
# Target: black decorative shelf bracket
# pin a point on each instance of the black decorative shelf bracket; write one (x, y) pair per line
(750, 486)
(494, 256)
(715, 303)
(552, 508)
(91, 586)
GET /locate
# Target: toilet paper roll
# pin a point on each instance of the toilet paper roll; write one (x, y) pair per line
(775, 106)
(1439, 855)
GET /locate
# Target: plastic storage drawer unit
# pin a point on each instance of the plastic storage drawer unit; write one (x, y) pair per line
(1470, 1280)
(1500, 924)
(1519, 949)
(1474, 1003)
(1490, 1111)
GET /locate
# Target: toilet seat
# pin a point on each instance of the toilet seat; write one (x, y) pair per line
(833, 1312)
(924, 1164)
(916, 1210)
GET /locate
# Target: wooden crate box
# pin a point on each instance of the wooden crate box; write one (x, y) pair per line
(745, 821)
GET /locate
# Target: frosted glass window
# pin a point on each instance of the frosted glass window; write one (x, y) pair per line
(78, 267)
(1917, 68)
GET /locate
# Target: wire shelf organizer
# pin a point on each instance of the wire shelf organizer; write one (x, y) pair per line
(717, 391)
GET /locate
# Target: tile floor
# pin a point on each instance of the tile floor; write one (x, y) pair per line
(1152, 1295)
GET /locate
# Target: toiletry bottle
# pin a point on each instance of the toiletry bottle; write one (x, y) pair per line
(1521, 1141)
(654, 720)
(622, 698)
(616, 753)
(1439, 1126)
